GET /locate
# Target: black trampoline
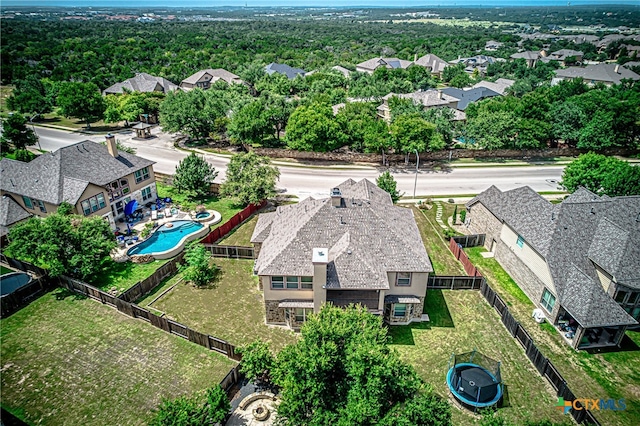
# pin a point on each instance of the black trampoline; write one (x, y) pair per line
(474, 379)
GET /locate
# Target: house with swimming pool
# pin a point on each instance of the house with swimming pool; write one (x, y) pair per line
(97, 180)
(577, 261)
(354, 247)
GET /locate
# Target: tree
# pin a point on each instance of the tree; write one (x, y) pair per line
(16, 133)
(425, 409)
(411, 133)
(492, 130)
(194, 176)
(250, 124)
(314, 128)
(250, 178)
(196, 268)
(341, 371)
(603, 175)
(81, 100)
(191, 411)
(386, 182)
(196, 113)
(63, 243)
(257, 361)
(29, 97)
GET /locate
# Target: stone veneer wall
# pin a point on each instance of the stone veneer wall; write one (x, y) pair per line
(532, 286)
(273, 314)
(417, 313)
(482, 221)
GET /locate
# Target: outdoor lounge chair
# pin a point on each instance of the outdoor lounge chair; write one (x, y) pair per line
(167, 212)
(154, 215)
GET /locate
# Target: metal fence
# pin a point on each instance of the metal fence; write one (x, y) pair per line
(230, 252)
(473, 240)
(135, 311)
(440, 282)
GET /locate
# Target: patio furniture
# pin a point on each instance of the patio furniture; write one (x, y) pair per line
(167, 212)
(154, 214)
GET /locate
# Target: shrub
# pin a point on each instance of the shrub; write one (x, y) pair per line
(463, 216)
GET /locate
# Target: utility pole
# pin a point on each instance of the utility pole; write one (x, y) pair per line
(415, 183)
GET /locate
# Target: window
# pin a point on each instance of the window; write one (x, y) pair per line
(292, 282)
(118, 188)
(403, 278)
(93, 204)
(27, 202)
(520, 241)
(146, 193)
(620, 295)
(277, 282)
(306, 282)
(302, 313)
(40, 204)
(548, 300)
(142, 174)
(399, 310)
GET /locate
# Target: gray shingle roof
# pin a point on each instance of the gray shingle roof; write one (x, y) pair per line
(10, 213)
(64, 174)
(367, 238)
(390, 63)
(284, 69)
(142, 82)
(465, 97)
(434, 63)
(529, 54)
(583, 229)
(216, 74)
(499, 86)
(600, 72)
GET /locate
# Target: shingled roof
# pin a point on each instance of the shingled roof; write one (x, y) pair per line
(64, 174)
(367, 237)
(142, 82)
(607, 73)
(216, 74)
(573, 236)
(10, 213)
(284, 69)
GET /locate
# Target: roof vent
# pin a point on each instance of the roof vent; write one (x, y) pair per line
(348, 251)
(553, 216)
(638, 218)
(342, 222)
(593, 210)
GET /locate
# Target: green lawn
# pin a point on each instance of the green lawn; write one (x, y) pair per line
(122, 276)
(444, 263)
(462, 321)
(58, 120)
(233, 310)
(225, 206)
(4, 270)
(612, 374)
(241, 236)
(73, 361)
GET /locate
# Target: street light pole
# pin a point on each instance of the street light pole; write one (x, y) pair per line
(415, 183)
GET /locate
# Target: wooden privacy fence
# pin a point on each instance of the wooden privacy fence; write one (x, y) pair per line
(454, 282)
(540, 362)
(135, 311)
(222, 230)
(473, 240)
(457, 251)
(23, 266)
(230, 252)
(20, 298)
(146, 286)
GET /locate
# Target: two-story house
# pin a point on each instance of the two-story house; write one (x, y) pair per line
(577, 261)
(205, 78)
(355, 247)
(96, 180)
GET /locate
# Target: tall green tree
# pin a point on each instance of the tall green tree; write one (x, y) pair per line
(30, 97)
(192, 411)
(250, 179)
(194, 176)
(413, 133)
(603, 175)
(341, 371)
(63, 243)
(314, 128)
(196, 267)
(81, 100)
(250, 124)
(386, 182)
(196, 113)
(16, 133)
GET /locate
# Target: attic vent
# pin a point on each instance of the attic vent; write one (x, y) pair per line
(348, 251)
(553, 216)
(593, 210)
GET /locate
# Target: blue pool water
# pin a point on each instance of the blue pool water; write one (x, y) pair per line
(202, 215)
(13, 281)
(166, 238)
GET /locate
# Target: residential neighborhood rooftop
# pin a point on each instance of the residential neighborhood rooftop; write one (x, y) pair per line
(284, 69)
(611, 73)
(142, 82)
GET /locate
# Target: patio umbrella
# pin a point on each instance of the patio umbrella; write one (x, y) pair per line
(128, 229)
(130, 207)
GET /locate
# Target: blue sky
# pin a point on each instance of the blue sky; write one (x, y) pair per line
(325, 3)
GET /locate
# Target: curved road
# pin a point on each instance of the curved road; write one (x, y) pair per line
(316, 181)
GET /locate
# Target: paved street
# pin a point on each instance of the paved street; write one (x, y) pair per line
(316, 181)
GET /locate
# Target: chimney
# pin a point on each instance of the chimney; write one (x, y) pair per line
(617, 69)
(440, 94)
(320, 259)
(336, 197)
(111, 145)
(415, 57)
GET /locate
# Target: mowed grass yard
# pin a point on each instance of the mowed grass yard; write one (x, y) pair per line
(232, 309)
(73, 361)
(610, 374)
(461, 321)
(241, 236)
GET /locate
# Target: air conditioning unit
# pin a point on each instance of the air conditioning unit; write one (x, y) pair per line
(538, 316)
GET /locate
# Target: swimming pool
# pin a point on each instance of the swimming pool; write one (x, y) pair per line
(13, 281)
(168, 240)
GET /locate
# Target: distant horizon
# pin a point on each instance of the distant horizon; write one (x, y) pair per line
(207, 4)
